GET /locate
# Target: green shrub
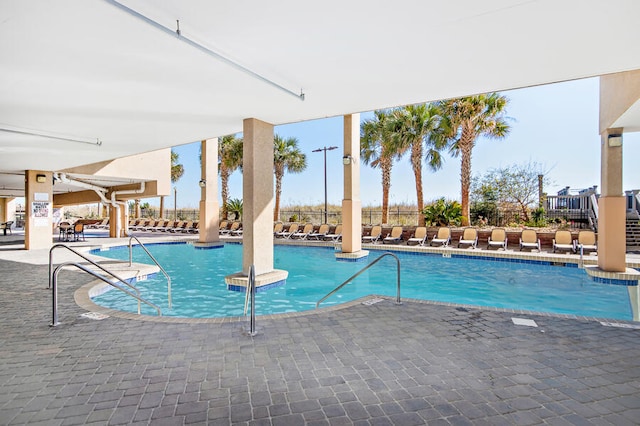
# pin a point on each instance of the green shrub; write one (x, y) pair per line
(443, 213)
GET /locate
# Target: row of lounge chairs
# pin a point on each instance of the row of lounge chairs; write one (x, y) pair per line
(528, 239)
(293, 232)
(162, 225)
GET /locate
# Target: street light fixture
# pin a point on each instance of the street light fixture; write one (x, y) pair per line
(325, 149)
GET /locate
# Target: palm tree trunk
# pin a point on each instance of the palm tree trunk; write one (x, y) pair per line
(386, 185)
(466, 146)
(276, 210)
(224, 190)
(416, 164)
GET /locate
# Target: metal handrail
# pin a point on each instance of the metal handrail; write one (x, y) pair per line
(133, 237)
(54, 293)
(55, 246)
(354, 276)
(250, 293)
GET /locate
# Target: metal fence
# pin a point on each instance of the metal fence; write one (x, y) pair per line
(369, 216)
(503, 218)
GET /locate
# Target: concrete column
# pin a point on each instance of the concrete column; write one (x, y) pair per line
(162, 207)
(113, 222)
(611, 206)
(209, 206)
(351, 204)
(38, 210)
(257, 209)
(257, 196)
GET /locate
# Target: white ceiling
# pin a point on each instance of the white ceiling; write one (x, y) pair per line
(89, 71)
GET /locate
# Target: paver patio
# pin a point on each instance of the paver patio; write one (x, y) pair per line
(375, 364)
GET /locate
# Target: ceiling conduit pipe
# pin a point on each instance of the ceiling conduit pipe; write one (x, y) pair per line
(98, 189)
(102, 194)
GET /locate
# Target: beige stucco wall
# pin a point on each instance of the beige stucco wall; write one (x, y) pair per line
(618, 92)
(153, 167)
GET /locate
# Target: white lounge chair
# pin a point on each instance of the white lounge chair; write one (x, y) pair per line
(469, 237)
(374, 235)
(322, 232)
(529, 239)
(395, 237)
(336, 236)
(586, 242)
(498, 239)
(442, 237)
(563, 241)
(419, 236)
(302, 235)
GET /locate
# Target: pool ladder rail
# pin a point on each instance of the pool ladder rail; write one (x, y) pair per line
(53, 282)
(357, 274)
(133, 237)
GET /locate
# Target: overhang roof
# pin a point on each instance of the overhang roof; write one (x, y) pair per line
(89, 71)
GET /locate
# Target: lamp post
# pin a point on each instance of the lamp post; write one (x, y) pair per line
(325, 149)
(175, 203)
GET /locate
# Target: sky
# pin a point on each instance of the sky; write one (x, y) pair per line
(555, 126)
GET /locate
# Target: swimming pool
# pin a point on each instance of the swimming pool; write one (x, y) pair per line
(199, 290)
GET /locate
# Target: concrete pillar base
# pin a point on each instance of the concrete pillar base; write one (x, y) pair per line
(356, 256)
(239, 280)
(612, 234)
(630, 275)
(207, 246)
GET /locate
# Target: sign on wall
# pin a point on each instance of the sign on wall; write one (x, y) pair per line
(40, 212)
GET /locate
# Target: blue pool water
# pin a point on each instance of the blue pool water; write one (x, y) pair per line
(199, 291)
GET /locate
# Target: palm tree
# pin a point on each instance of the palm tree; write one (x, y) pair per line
(376, 150)
(229, 160)
(286, 157)
(411, 130)
(177, 170)
(463, 121)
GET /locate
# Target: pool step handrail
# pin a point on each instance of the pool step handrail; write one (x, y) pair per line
(354, 276)
(54, 292)
(250, 294)
(133, 237)
(97, 265)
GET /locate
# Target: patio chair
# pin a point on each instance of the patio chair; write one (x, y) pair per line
(6, 226)
(293, 228)
(176, 226)
(419, 237)
(160, 226)
(586, 242)
(234, 227)
(149, 226)
(193, 229)
(322, 231)
(302, 235)
(563, 241)
(63, 228)
(277, 227)
(498, 239)
(222, 228)
(469, 238)
(237, 230)
(336, 236)
(529, 239)
(98, 225)
(374, 235)
(78, 231)
(442, 237)
(395, 237)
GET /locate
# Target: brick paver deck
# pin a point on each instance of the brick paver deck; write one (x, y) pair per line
(376, 364)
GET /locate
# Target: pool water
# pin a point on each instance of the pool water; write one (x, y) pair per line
(199, 290)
